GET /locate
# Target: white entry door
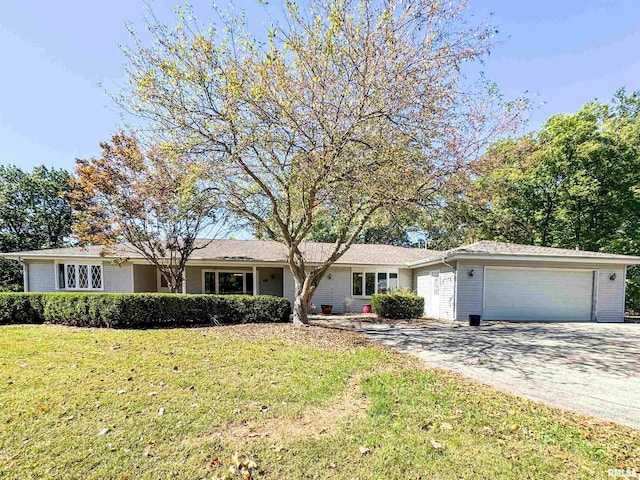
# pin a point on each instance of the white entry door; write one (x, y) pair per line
(537, 294)
(434, 307)
(422, 289)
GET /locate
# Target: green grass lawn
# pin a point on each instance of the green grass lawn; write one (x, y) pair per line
(299, 402)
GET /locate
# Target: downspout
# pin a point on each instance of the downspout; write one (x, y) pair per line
(25, 275)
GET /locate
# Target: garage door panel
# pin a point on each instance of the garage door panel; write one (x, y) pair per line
(538, 294)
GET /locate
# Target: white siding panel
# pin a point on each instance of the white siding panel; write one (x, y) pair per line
(289, 287)
(118, 279)
(330, 291)
(469, 290)
(610, 303)
(405, 279)
(447, 279)
(41, 277)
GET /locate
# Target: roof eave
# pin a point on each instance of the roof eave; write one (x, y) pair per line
(620, 260)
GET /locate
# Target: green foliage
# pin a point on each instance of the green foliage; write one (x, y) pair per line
(34, 213)
(17, 308)
(388, 229)
(575, 183)
(398, 305)
(115, 310)
(349, 111)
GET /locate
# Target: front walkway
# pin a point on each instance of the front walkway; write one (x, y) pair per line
(592, 369)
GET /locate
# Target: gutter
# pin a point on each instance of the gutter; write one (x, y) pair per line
(621, 260)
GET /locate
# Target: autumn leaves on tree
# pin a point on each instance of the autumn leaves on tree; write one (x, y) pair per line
(352, 111)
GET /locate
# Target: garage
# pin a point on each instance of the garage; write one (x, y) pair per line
(538, 294)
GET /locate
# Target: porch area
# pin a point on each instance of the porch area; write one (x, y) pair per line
(215, 279)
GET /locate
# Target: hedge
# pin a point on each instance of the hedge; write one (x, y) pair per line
(140, 310)
(398, 305)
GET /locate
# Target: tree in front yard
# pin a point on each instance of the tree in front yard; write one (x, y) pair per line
(350, 110)
(154, 199)
(34, 213)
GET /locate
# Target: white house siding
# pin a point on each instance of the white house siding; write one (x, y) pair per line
(118, 279)
(610, 294)
(423, 279)
(469, 290)
(41, 277)
(145, 278)
(331, 291)
(447, 293)
(405, 279)
(194, 279)
(610, 302)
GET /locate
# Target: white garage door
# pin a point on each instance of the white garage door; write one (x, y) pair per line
(537, 294)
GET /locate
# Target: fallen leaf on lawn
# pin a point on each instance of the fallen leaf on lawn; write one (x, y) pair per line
(161, 411)
(104, 431)
(515, 427)
(446, 426)
(437, 445)
(364, 450)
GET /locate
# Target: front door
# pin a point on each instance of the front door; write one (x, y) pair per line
(435, 295)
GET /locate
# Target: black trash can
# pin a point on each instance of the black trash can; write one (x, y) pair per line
(474, 320)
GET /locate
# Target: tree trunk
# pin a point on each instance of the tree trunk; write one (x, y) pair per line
(300, 310)
(304, 291)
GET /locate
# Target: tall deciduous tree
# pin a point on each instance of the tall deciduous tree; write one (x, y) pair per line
(34, 213)
(152, 198)
(575, 183)
(347, 109)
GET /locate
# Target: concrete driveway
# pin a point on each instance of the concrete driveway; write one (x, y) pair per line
(587, 368)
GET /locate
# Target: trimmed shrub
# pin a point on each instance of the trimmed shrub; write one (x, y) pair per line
(140, 310)
(398, 305)
(21, 308)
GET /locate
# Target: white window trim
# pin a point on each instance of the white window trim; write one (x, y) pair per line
(217, 273)
(364, 272)
(75, 263)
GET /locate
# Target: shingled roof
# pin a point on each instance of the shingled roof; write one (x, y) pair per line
(491, 248)
(252, 250)
(358, 254)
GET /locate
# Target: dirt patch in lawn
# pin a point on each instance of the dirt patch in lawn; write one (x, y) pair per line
(314, 422)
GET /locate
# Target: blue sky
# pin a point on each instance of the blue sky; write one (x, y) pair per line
(56, 54)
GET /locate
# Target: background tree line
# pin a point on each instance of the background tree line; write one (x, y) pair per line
(575, 183)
